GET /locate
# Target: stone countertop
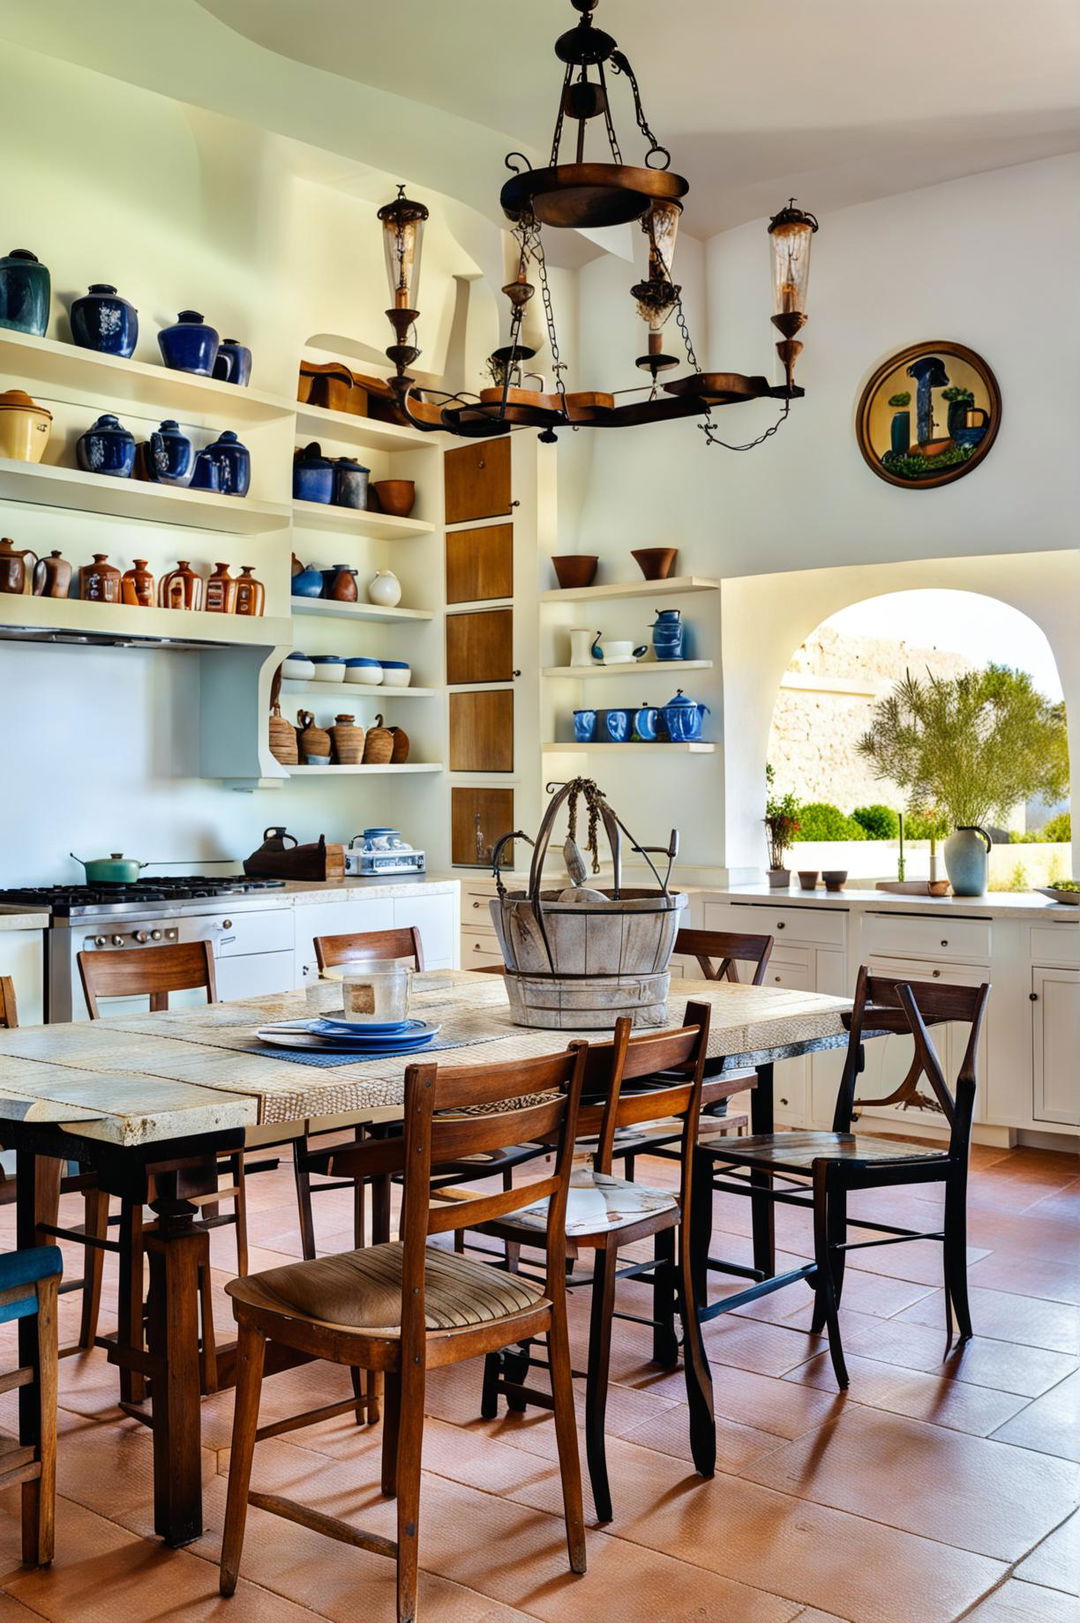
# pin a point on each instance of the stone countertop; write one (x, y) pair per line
(1018, 905)
(397, 885)
(17, 918)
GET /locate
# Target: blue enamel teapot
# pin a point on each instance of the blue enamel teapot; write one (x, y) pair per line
(684, 718)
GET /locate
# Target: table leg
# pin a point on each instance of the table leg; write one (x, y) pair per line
(177, 1251)
(763, 1212)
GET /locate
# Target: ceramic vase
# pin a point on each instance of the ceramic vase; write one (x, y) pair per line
(967, 861)
(181, 588)
(234, 464)
(350, 483)
(233, 362)
(170, 455)
(189, 345)
(250, 593)
(103, 321)
(52, 576)
(137, 586)
(340, 584)
(100, 581)
(108, 448)
(24, 292)
(220, 591)
(384, 589)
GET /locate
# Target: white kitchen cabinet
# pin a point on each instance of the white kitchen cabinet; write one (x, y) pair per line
(22, 957)
(255, 974)
(1055, 1011)
(435, 915)
(436, 919)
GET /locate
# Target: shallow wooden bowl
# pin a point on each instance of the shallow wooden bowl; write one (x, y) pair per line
(396, 496)
(656, 563)
(574, 570)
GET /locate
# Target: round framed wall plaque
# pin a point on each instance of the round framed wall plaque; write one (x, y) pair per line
(928, 415)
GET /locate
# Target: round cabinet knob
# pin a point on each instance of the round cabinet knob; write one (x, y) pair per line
(118, 941)
(944, 943)
(141, 937)
(155, 935)
(226, 924)
(783, 1101)
(780, 925)
(937, 974)
(776, 978)
(99, 941)
(477, 904)
(1033, 997)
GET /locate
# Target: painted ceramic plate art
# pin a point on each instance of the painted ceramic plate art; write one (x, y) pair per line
(928, 415)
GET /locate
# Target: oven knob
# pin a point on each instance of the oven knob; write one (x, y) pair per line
(226, 924)
(118, 941)
(99, 941)
(141, 937)
(155, 935)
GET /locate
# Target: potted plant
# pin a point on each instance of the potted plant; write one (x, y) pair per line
(971, 746)
(781, 826)
(900, 431)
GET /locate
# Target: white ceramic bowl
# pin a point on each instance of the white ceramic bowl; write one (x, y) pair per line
(365, 675)
(396, 676)
(296, 669)
(330, 673)
(618, 653)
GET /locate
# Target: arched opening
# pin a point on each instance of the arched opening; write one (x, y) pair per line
(827, 700)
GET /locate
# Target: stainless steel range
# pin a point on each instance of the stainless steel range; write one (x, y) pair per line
(249, 921)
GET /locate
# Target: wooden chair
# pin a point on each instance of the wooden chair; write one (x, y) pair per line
(28, 1290)
(403, 1307)
(605, 1215)
(155, 973)
(830, 1165)
(93, 1229)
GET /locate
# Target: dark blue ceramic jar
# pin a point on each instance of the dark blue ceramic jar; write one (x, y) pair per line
(234, 464)
(207, 474)
(24, 292)
(350, 483)
(233, 363)
(313, 475)
(103, 321)
(189, 345)
(667, 634)
(107, 447)
(170, 455)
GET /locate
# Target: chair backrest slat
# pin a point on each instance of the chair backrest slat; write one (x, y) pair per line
(719, 951)
(629, 1058)
(333, 950)
(8, 1012)
(151, 972)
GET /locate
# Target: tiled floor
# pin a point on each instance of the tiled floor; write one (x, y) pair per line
(942, 1487)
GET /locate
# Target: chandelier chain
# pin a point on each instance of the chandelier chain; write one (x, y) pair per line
(558, 366)
(712, 438)
(620, 63)
(556, 140)
(613, 139)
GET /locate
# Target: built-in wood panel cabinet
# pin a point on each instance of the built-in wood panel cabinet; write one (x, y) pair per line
(479, 817)
(482, 731)
(480, 647)
(478, 480)
(480, 563)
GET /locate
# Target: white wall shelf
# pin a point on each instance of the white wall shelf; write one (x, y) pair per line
(357, 690)
(402, 767)
(622, 749)
(46, 486)
(44, 364)
(356, 521)
(639, 667)
(105, 621)
(356, 611)
(348, 429)
(680, 584)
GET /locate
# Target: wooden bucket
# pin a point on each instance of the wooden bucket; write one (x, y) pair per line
(593, 1003)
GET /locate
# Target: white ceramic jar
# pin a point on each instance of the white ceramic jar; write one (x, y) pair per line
(385, 589)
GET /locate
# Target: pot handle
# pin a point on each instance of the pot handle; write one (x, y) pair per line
(989, 842)
(280, 831)
(79, 860)
(640, 650)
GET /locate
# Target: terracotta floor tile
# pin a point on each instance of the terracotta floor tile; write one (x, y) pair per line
(1006, 1366)
(935, 1399)
(767, 1349)
(1029, 1276)
(1019, 1602)
(980, 1495)
(812, 1615)
(1004, 1316)
(1055, 1563)
(13, 1611)
(1051, 1424)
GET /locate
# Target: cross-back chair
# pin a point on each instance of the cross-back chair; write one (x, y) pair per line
(819, 1169)
(404, 1307)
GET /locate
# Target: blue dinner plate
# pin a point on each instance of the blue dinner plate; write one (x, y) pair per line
(369, 1028)
(407, 1035)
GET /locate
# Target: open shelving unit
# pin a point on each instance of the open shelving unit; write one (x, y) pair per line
(357, 521)
(123, 623)
(675, 584)
(348, 429)
(356, 690)
(640, 667)
(356, 611)
(45, 485)
(402, 767)
(596, 747)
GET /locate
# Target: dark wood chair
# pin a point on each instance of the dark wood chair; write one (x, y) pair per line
(605, 1215)
(28, 1292)
(827, 1166)
(403, 1307)
(333, 950)
(155, 973)
(93, 1228)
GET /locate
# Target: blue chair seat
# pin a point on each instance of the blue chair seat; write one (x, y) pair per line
(25, 1268)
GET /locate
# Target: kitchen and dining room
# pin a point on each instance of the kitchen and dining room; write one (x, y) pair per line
(539, 912)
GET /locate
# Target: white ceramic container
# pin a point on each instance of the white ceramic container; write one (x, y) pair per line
(298, 668)
(396, 676)
(370, 676)
(385, 589)
(334, 671)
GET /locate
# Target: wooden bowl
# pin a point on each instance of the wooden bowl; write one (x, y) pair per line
(656, 563)
(575, 570)
(396, 496)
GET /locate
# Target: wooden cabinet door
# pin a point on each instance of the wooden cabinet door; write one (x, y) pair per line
(478, 817)
(477, 480)
(480, 647)
(482, 731)
(480, 563)
(1056, 1042)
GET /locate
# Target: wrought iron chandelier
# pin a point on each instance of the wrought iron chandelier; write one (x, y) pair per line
(582, 195)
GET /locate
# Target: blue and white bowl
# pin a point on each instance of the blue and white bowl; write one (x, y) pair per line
(298, 667)
(329, 668)
(397, 673)
(368, 672)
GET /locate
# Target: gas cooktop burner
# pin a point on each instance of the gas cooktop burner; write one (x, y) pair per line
(64, 900)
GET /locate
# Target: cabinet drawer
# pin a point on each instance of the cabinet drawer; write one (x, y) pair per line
(270, 931)
(915, 935)
(477, 948)
(790, 1092)
(1055, 944)
(809, 924)
(793, 969)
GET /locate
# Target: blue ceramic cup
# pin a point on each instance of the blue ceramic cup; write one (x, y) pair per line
(584, 726)
(615, 726)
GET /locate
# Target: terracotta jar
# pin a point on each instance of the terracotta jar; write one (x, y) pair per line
(283, 746)
(343, 587)
(99, 582)
(221, 591)
(314, 742)
(182, 588)
(52, 576)
(348, 741)
(13, 567)
(137, 586)
(250, 593)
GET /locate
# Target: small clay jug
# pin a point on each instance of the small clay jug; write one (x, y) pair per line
(13, 567)
(52, 576)
(348, 741)
(343, 587)
(137, 586)
(250, 593)
(181, 588)
(99, 582)
(314, 742)
(220, 591)
(283, 745)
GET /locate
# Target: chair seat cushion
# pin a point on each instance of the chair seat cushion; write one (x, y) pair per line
(597, 1203)
(798, 1151)
(361, 1290)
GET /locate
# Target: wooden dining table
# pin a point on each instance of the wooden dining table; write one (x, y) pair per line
(149, 1103)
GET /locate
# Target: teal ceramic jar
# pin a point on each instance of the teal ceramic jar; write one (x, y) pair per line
(24, 292)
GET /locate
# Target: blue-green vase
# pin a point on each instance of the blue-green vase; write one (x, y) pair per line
(24, 292)
(967, 861)
(900, 433)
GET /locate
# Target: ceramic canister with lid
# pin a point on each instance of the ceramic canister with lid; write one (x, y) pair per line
(313, 475)
(24, 426)
(684, 718)
(233, 362)
(189, 345)
(234, 464)
(107, 447)
(350, 483)
(102, 320)
(25, 291)
(170, 455)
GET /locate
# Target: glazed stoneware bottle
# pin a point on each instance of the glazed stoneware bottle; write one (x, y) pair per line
(24, 292)
(170, 455)
(341, 583)
(220, 591)
(107, 447)
(250, 593)
(234, 464)
(233, 363)
(137, 586)
(99, 582)
(13, 567)
(207, 471)
(103, 321)
(52, 576)
(181, 588)
(189, 345)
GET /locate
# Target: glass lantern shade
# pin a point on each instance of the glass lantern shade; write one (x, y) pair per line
(791, 240)
(661, 223)
(403, 237)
